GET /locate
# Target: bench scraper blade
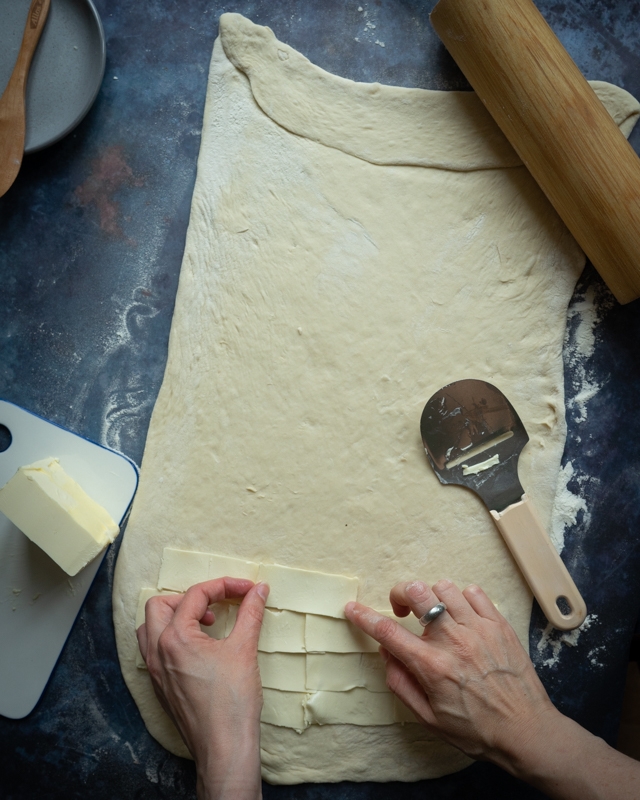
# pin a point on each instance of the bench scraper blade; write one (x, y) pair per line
(473, 437)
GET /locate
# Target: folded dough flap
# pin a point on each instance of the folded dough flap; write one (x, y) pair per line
(385, 125)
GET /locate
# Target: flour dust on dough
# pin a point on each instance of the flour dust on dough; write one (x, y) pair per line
(351, 249)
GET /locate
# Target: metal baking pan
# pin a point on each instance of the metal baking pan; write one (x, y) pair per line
(67, 69)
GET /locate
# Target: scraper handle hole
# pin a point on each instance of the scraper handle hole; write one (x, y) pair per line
(564, 606)
(5, 438)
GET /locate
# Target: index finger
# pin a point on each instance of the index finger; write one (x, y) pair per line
(404, 645)
(199, 597)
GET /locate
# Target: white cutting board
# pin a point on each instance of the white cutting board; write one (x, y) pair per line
(38, 601)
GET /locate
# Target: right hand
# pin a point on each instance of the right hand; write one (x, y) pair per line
(467, 678)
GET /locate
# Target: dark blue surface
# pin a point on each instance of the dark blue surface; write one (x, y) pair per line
(91, 239)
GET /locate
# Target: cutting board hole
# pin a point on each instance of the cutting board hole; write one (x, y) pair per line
(564, 606)
(5, 438)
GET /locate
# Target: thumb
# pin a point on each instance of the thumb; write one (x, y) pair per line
(250, 615)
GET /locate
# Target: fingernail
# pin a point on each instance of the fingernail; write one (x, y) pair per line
(416, 588)
(349, 608)
(263, 590)
(444, 583)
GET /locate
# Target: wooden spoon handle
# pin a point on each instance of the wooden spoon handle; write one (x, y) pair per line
(556, 123)
(38, 12)
(12, 102)
(540, 564)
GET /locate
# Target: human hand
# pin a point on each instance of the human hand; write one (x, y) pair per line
(467, 678)
(210, 688)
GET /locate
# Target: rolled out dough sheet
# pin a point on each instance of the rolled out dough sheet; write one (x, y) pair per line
(351, 249)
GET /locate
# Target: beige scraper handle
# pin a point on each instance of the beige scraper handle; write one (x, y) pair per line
(556, 124)
(540, 564)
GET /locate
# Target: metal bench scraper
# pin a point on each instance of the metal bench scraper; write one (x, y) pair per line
(473, 437)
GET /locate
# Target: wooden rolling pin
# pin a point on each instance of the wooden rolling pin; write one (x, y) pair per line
(556, 124)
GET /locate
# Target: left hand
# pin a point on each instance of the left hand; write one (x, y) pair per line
(210, 688)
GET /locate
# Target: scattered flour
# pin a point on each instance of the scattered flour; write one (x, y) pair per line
(566, 507)
(592, 656)
(583, 318)
(134, 755)
(552, 640)
(367, 35)
(584, 338)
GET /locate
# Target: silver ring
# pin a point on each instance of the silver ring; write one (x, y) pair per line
(432, 613)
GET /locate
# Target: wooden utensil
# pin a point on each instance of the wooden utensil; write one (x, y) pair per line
(473, 437)
(12, 102)
(557, 125)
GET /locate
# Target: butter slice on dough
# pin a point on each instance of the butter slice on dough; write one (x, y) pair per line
(284, 709)
(356, 707)
(307, 591)
(282, 632)
(283, 671)
(182, 569)
(328, 635)
(340, 672)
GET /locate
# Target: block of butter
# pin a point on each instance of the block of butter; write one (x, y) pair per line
(56, 514)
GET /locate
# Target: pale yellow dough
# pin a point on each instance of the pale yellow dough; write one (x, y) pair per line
(351, 249)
